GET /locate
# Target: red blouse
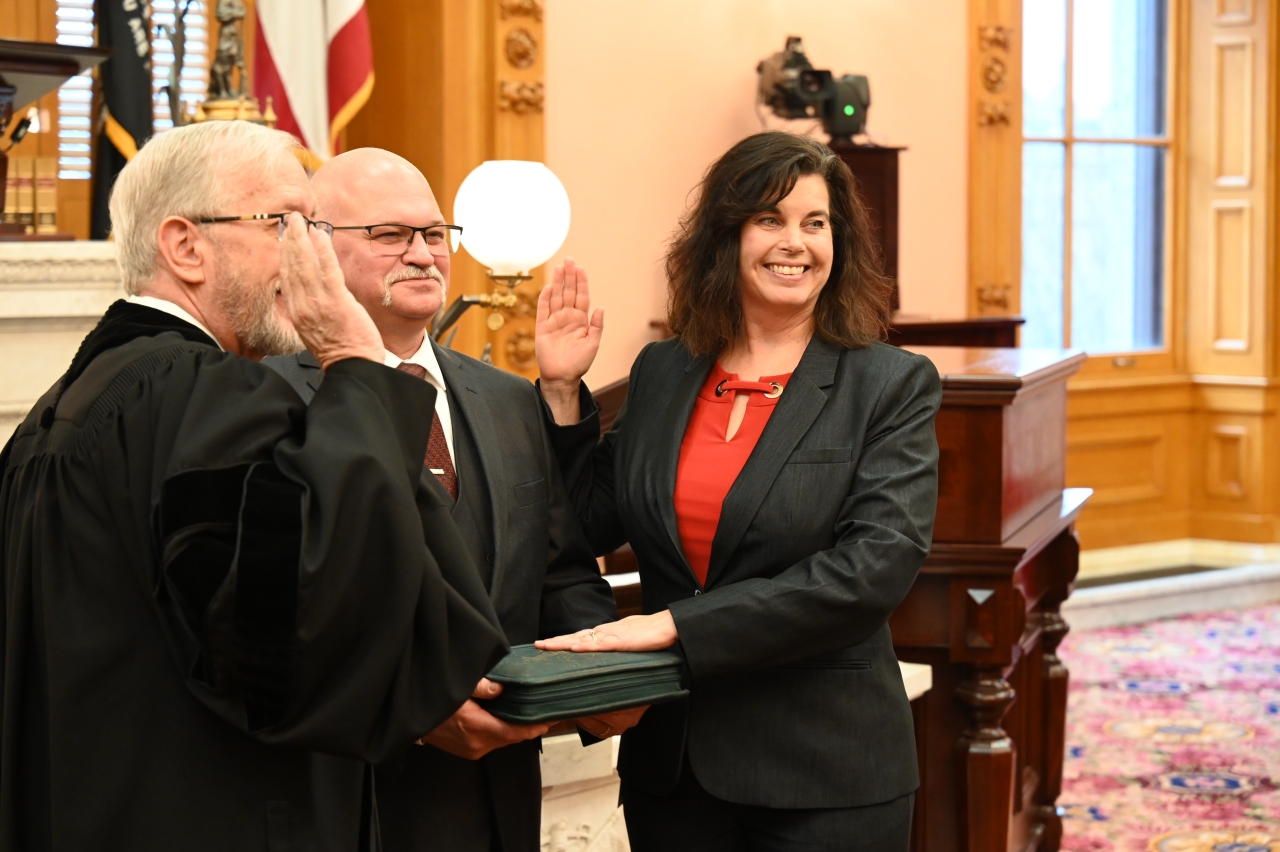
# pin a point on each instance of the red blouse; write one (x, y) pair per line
(709, 464)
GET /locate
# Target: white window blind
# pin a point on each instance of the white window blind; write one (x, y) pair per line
(75, 97)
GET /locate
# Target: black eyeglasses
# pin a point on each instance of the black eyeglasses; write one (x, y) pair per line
(394, 240)
(281, 221)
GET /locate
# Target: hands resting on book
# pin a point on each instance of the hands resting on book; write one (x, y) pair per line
(634, 633)
(472, 732)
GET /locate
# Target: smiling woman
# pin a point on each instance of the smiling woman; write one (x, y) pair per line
(775, 471)
(740, 201)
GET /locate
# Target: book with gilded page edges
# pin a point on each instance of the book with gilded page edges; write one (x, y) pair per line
(548, 686)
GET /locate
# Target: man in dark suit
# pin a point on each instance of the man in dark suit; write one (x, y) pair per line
(474, 784)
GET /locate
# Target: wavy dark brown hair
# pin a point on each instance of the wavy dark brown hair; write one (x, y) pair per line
(704, 305)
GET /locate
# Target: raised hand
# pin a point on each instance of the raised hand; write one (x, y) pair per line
(567, 338)
(471, 733)
(326, 316)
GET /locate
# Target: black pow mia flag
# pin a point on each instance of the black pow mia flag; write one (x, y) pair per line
(125, 120)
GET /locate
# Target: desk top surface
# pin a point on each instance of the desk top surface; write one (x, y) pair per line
(1000, 369)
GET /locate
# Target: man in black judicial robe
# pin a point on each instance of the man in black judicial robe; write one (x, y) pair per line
(220, 603)
(465, 790)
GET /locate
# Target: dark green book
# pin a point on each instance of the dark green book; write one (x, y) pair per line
(547, 686)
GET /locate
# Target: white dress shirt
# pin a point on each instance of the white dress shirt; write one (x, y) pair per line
(173, 310)
(425, 357)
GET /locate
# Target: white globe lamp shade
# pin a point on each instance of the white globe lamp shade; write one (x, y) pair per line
(514, 215)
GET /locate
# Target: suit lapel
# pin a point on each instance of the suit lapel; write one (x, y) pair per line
(799, 406)
(468, 409)
(315, 375)
(668, 437)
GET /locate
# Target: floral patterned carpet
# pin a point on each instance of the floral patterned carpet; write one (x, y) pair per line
(1173, 735)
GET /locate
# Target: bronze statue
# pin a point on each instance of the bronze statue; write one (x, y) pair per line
(230, 53)
(177, 37)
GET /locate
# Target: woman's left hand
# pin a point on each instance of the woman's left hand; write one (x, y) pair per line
(633, 633)
(607, 725)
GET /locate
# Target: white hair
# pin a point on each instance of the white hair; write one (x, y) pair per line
(183, 172)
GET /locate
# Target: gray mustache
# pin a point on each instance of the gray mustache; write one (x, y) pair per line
(411, 273)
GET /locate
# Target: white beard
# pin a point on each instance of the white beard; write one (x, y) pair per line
(252, 313)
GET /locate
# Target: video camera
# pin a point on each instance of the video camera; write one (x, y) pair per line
(793, 88)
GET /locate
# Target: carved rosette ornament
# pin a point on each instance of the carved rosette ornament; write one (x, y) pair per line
(994, 297)
(520, 9)
(526, 304)
(520, 98)
(994, 73)
(521, 49)
(992, 113)
(991, 38)
(519, 349)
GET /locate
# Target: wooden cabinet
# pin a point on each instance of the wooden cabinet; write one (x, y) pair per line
(984, 612)
(875, 169)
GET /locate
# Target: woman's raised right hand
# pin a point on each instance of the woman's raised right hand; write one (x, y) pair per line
(567, 338)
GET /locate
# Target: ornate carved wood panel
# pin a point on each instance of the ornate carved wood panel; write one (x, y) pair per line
(995, 157)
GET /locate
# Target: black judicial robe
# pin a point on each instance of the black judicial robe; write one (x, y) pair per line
(220, 603)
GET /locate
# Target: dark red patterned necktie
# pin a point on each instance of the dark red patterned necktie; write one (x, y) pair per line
(437, 459)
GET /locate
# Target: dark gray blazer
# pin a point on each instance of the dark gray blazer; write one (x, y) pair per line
(545, 582)
(797, 700)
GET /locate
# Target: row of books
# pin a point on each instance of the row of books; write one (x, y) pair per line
(31, 194)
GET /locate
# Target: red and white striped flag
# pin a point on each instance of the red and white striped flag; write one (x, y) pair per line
(315, 61)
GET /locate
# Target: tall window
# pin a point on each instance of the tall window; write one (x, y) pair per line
(75, 97)
(1094, 151)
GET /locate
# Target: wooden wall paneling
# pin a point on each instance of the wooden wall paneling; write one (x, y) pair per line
(1270, 181)
(1131, 445)
(1233, 71)
(1229, 463)
(404, 113)
(1229, 272)
(1233, 12)
(1229, 174)
(519, 63)
(466, 29)
(995, 157)
(1233, 493)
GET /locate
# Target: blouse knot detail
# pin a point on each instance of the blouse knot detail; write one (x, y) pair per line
(709, 464)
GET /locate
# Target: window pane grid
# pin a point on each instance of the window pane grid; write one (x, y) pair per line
(1094, 173)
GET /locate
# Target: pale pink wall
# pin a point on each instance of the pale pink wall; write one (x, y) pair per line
(641, 98)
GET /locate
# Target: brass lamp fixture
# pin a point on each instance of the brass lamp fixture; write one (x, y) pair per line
(515, 216)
